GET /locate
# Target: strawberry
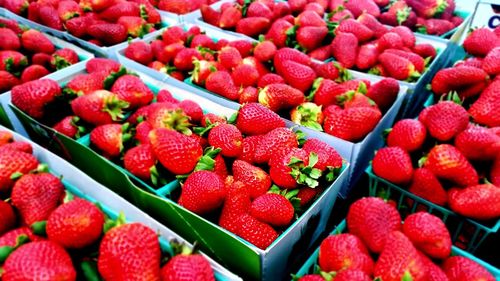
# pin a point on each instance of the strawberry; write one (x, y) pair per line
(445, 120)
(483, 110)
(458, 79)
(175, 6)
(307, 114)
(425, 50)
(46, 260)
(187, 263)
(307, 195)
(390, 40)
(265, 50)
(68, 127)
(63, 58)
(345, 49)
(83, 84)
(16, 6)
(9, 39)
(192, 109)
(289, 54)
(398, 67)
(6, 137)
(245, 75)
(7, 81)
(270, 78)
(169, 116)
(297, 5)
(415, 59)
(461, 268)
(311, 37)
(11, 237)
(393, 164)
(476, 201)
(140, 52)
(248, 95)
(19, 146)
(326, 92)
(254, 113)
(229, 57)
(407, 36)
(293, 167)
(41, 59)
(281, 96)
(434, 272)
(372, 23)
(356, 28)
(228, 138)
(210, 15)
(281, 9)
(297, 75)
(318, 8)
(478, 143)
(211, 118)
(12, 61)
(273, 209)
(253, 26)
(437, 26)
(245, 47)
(409, 134)
(68, 9)
(33, 72)
(384, 93)
(490, 62)
(357, 7)
(495, 172)
(448, 163)
(77, 26)
(32, 97)
(256, 180)
(373, 220)
(480, 42)
(343, 252)
(273, 143)
(202, 41)
(202, 192)
(109, 138)
(183, 61)
(352, 124)
(8, 218)
(311, 277)
(36, 196)
(428, 8)
(398, 259)
(15, 162)
(99, 107)
(49, 17)
(64, 227)
(120, 9)
(367, 56)
(177, 152)
(429, 234)
(108, 33)
(255, 232)
(132, 250)
(230, 17)
(135, 25)
(221, 83)
(328, 157)
(142, 131)
(236, 203)
(132, 90)
(249, 145)
(12, 25)
(277, 33)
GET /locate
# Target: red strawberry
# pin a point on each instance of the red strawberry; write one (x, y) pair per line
(426, 185)
(273, 209)
(108, 33)
(133, 249)
(483, 110)
(311, 277)
(281, 96)
(202, 41)
(210, 15)
(236, 203)
(478, 143)
(169, 116)
(68, 127)
(297, 5)
(19, 146)
(63, 58)
(357, 7)
(408, 134)
(490, 62)
(192, 109)
(120, 9)
(461, 268)
(184, 59)
(83, 84)
(425, 50)
(177, 152)
(437, 26)
(228, 138)
(356, 28)
(273, 143)
(347, 275)
(289, 54)
(99, 107)
(32, 97)
(245, 47)
(372, 220)
(33, 72)
(140, 52)
(245, 75)
(311, 37)
(326, 92)
(76, 224)
(352, 124)
(135, 25)
(189, 264)
(372, 23)
(254, 178)
(7, 81)
(398, 259)
(445, 120)
(277, 33)
(384, 93)
(434, 272)
(495, 172)
(297, 75)
(254, 113)
(78, 26)
(398, 67)
(265, 50)
(142, 131)
(407, 36)
(258, 233)
(429, 234)
(229, 57)
(11, 238)
(68, 10)
(393, 164)
(46, 260)
(390, 40)
(476, 201)
(307, 195)
(175, 6)
(9, 39)
(202, 192)
(220, 82)
(448, 163)
(480, 42)
(248, 95)
(14, 162)
(367, 56)
(270, 78)
(49, 17)
(36, 196)
(345, 49)
(109, 139)
(253, 26)
(12, 25)
(42, 59)
(249, 145)
(8, 218)
(328, 157)
(428, 8)
(131, 89)
(343, 252)
(165, 96)
(292, 167)
(102, 65)
(16, 6)
(307, 114)
(458, 79)
(415, 59)
(12, 61)
(211, 118)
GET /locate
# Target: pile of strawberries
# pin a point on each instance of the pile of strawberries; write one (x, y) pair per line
(27, 54)
(180, 7)
(312, 94)
(176, 138)
(379, 246)
(449, 172)
(101, 22)
(358, 42)
(46, 233)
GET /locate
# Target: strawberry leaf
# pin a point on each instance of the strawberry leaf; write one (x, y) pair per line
(5, 251)
(39, 228)
(89, 270)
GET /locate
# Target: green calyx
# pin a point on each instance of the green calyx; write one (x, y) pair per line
(177, 120)
(301, 137)
(114, 107)
(402, 15)
(422, 161)
(414, 76)
(374, 70)
(305, 174)
(206, 162)
(5, 251)
(179, 248)
(156, 178)
(421, 29)
(344, 74)
(440, 8)
(60, 62)
(244, 8)
(314, 89)
(289, 194)
(126, 135)
(332, 173)
(109, 224)
(309, 115)
(110, 80)
(39, 228)
(81, 130)
(452, 96)
(143, 12)
(291, 36)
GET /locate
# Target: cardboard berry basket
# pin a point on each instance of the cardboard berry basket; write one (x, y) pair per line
(81, 185)
(468, 233)
(311, 264)
(108, 51)
(233, 252)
